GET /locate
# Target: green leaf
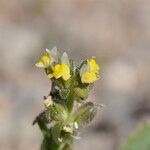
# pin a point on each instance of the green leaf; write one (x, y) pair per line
(67, 147)
(56, 132)
(43, 117)
(139, 141)
(57, 112)
(85, 114)
(67, 137)
(43, 127)
(71, 83)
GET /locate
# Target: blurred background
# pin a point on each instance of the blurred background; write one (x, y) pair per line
(116, 32)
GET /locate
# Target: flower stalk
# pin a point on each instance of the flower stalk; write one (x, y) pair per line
(66, 108)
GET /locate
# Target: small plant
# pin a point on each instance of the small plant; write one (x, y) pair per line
(66, 109)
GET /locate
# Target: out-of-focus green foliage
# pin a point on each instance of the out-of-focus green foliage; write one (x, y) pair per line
(139, 141)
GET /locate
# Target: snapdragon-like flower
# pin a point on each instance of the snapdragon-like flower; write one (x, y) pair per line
(94, 67)
(45, 60)
(89, 77)
(61, 70)
(89, 71)
(48, 58)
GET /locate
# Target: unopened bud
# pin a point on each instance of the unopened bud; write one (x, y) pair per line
(81, 93)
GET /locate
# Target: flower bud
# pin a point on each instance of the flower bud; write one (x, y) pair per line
(81, 93)
(57, 112)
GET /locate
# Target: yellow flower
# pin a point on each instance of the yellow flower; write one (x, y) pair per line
(60, 70)
(45, 61)
(93, 65)
(89, 77)
(89, 72)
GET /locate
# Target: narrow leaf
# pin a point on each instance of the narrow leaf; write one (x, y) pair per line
(85, 114)
(56, 132)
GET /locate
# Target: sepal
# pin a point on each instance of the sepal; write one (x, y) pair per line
(56, 112)
(85, 114)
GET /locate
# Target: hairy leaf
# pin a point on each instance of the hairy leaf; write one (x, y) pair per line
(85, 114)
(57, 112)
(56, 132)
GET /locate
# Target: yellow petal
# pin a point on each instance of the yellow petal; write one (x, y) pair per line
(57, 71)
(94, 66)
(65, 72)
(89, 77)
(61, 70)
(44, 61)
(66, 76)
(65, 69)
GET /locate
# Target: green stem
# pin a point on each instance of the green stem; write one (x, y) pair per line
(43, 128)
(70, 102)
